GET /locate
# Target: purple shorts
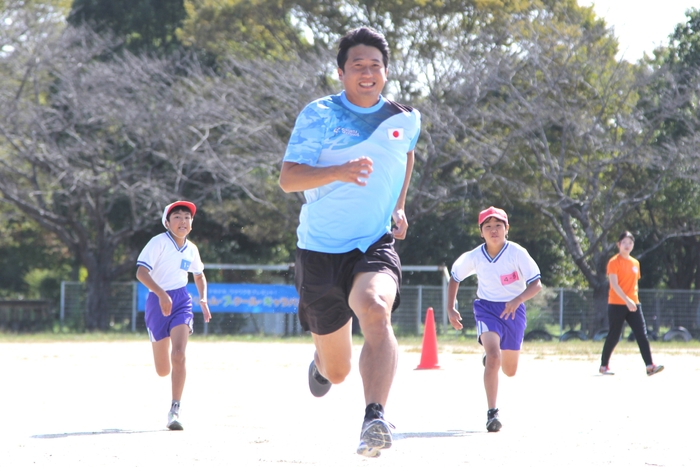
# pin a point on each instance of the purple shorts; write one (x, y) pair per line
(159, 326)
(488, 318)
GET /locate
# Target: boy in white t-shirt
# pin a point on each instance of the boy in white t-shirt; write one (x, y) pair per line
(163, 267)
(507, 277)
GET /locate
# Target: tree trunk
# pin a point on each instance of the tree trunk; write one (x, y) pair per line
(599, 318)
(98, 293)
(99, 286)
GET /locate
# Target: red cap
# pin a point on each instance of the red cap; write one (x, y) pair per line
(172, 206)
(493, 212)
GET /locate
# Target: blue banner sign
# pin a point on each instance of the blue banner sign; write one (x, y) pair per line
(239, 298)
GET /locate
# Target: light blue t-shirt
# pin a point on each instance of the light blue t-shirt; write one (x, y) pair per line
(339, 217)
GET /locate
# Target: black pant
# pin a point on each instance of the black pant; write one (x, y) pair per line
(617, 315)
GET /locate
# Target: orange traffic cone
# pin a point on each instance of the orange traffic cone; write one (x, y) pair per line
(428, 357)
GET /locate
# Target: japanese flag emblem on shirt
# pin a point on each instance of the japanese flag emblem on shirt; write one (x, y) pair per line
(395, 134)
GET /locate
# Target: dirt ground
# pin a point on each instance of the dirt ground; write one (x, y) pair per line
(247, 404)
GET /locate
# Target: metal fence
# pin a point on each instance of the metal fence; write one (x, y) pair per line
(555, 313)
(121, 306)
(124, 316)
(26, 315)
(558, 313)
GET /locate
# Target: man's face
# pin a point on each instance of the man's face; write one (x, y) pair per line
(364, 76)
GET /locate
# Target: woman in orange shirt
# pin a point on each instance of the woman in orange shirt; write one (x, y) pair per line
(623, 305)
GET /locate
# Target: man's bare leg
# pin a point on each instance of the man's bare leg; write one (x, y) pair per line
(334, 353)
(372, 298)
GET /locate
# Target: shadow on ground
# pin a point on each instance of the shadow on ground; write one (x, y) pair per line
(107, 431)
(434, 434)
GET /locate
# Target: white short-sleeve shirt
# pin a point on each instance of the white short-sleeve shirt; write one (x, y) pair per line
(502, 278)
(168, 264)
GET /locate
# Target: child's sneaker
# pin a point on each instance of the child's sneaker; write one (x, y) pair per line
(174, 418)
(493, 424)
(653, 369)
(605, 370)
(376, 432)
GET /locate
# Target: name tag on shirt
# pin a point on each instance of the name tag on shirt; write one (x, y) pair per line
(508, 279)
(185, 265)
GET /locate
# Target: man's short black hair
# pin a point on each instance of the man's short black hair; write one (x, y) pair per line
(362, 36)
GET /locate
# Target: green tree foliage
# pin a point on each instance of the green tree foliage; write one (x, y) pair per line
(27, 22)
(667, 228)
(670, 222)
(424, 36)
(143, 25)
(684, 47)
(524, 106)
(93, 149)
(245, 28)
(548, 119)
(25, 249)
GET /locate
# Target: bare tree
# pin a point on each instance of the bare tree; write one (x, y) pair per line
(93, 144)
(554, 121)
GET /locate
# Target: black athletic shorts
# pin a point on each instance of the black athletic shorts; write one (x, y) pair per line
(324, 281)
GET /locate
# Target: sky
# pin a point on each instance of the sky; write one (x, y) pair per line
(641, 25)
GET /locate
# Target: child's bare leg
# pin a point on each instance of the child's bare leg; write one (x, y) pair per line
(509, 361)
(491, 342)
(178, 336)
(161, 356)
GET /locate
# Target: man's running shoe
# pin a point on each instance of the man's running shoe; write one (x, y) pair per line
(174, 418)
(605, 370)
(376, 432)
(653, 369)
(318, 385)
(493, 424)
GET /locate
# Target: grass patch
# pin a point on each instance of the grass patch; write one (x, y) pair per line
(43, 337)
(447, 343)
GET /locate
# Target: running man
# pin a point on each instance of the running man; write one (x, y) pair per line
(352, 155)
